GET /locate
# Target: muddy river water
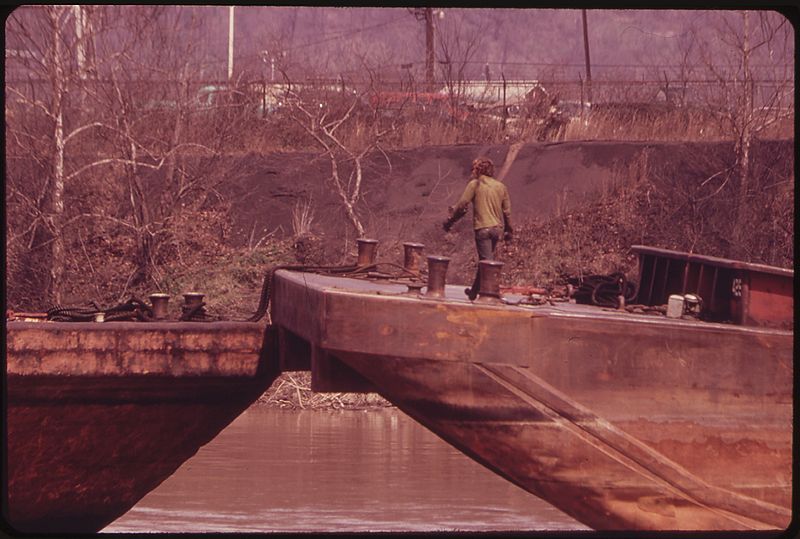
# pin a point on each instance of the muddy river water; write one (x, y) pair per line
(302, 471)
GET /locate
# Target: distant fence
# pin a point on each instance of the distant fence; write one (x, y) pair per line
(698, 92)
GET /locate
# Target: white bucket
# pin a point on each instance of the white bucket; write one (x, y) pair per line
(675, 306)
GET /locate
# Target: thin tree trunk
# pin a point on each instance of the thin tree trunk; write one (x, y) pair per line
(743, 147)
(57, 194)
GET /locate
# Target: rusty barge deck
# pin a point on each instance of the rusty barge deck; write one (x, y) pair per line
(623, 421)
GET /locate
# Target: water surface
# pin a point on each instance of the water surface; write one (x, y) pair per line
(310, 471)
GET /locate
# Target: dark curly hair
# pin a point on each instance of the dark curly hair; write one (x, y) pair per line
(482, 166)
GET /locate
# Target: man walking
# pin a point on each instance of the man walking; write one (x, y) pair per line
(491, 213)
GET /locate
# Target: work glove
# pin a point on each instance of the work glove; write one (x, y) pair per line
(508, 232)
(455, 215)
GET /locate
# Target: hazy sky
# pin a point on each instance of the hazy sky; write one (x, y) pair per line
(517, 43)
(524, 41)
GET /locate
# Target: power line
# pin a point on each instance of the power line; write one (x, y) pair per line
(347, 33)
(650, 66)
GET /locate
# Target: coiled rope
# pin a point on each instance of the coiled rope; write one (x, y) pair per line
(341, 271)
(137, 310)
(604, 290)
(131, 310)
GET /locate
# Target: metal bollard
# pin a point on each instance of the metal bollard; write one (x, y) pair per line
(366, 251)
(414, 288)
(437, 273)
(489, 271)
(192, 300)
(159, 302)
(412, 252)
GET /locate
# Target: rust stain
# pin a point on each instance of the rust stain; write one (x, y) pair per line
(468, 324)
(387, 330)
(657, 504)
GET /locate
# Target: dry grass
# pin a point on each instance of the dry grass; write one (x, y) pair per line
(292, 390)
(302, 217)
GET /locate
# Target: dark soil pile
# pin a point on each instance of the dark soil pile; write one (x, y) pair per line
(578, 207)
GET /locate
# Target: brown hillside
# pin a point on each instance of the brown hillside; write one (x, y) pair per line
(603, 195)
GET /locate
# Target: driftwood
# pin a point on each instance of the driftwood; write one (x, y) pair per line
(292, 390)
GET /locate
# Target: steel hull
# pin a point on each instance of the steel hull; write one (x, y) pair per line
(98, 415)
(622, 421)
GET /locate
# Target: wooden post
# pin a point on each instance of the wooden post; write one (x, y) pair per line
(586, 50)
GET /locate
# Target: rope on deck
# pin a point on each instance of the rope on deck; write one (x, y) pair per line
(604, 290)
(131, 310)
(340, 271)
(135, 310)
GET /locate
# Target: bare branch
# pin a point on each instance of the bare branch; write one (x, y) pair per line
(34, 103)
(113, 160)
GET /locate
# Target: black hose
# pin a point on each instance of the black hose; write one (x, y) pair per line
(133, 309)
(604, 290)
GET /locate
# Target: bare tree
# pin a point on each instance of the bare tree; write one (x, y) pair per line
(750, 99)
(53, 83)
(120, 133)
(457, 47)
(346, 160)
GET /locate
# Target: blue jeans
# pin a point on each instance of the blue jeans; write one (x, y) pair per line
(486, 241)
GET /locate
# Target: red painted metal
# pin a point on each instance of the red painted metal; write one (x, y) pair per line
(732, 291)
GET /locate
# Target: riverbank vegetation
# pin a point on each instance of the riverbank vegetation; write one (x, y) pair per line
(649, 203)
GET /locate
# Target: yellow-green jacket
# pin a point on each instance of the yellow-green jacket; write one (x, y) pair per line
(491, 205)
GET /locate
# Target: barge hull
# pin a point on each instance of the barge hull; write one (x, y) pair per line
(622, 421)
(98, 415)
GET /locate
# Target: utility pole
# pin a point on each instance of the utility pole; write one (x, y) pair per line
(588, 63)
(429, 47)
(426, 14)
(230, 42)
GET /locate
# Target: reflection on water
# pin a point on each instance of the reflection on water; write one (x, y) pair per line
(275, 470)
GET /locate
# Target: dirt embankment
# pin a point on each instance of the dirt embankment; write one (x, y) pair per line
(406, 193)
(405, 197)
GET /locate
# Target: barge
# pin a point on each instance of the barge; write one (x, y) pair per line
(623, 420)
(98, 415)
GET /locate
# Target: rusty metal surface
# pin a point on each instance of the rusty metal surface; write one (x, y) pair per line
(367, 249)
(732, 291)
(343, 314)
(623, 421)
(711, 260)
(606, 474)
(412, 253)
(99, 414)
(489, 275)
(159, 302)
(129, 348)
